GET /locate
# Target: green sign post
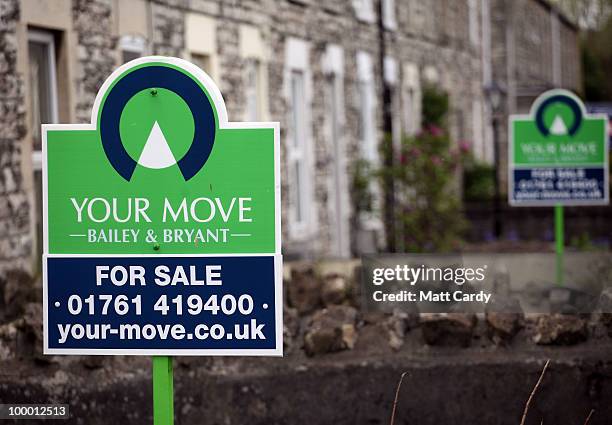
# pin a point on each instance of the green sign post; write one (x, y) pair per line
(558, 155)
(162, 226)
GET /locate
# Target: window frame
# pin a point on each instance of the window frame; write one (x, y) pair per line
(473, 22)
(202, 61)
(366, 93)
(408, 98)
(297, 155)
(335, 131)
(368, 141)
(253, 93)
(254, 53)
(389, 14)
(411, 99)
(46, 38)
(364, 10)
(132, 44)
(300, 228)
(201, 40)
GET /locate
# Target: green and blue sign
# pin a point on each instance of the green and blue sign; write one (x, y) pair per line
(558, 154)
(162, 222)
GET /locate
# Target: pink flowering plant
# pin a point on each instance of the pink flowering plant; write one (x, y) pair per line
(426, 182)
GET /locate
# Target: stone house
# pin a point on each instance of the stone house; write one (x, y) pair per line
(534, 48)
(313, 65)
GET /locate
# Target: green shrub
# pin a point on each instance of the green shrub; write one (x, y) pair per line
(478, 181)
(434, 107)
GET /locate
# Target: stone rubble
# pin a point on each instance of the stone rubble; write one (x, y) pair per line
(504, 320)
(560, 329)
(323, 314)
(448, 329)
(331, 329)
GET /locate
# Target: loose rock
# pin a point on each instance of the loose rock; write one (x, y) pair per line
(304, 290)
(331, 329)
(504, 319)
(448, 329)
(560, 329)
(30, 338)
(335, 289)
(604, 308)
(16, 290)
(8, 337)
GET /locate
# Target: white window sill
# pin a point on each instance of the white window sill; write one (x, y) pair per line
(366, 16)
(368, 221)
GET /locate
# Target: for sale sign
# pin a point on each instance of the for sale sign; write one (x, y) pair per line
(558, 154)
(162, 222)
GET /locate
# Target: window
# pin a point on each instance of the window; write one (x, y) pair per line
(367, 125)
(132, 47)
(473, 22)
(431, 75)
(127, 55)
(338, 197)
(299, 144)
(332, 91)
(43, 86)
(364, 9)
(298, 130)
(411, 99)
(389, 14)
(477, 140)
(409, 111)
(254, 53)
(368, 146)
(201, 42)
(252, 90)
(366, 133)
(43, 108)
(338, 202)
(202, 61)
(390, 76)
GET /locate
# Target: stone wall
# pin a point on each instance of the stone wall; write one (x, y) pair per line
(96, 44)
(15, 239)
(431, 35)
(571, 69)
(168, 21)
(535, 38)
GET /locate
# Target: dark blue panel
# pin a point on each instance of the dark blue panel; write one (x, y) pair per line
(253, 276)
(558, 185)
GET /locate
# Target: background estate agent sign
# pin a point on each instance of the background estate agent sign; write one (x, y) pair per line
(162, 228)
(558, 154)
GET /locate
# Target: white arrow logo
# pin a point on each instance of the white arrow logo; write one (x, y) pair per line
(558, 127)
(156, 152)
